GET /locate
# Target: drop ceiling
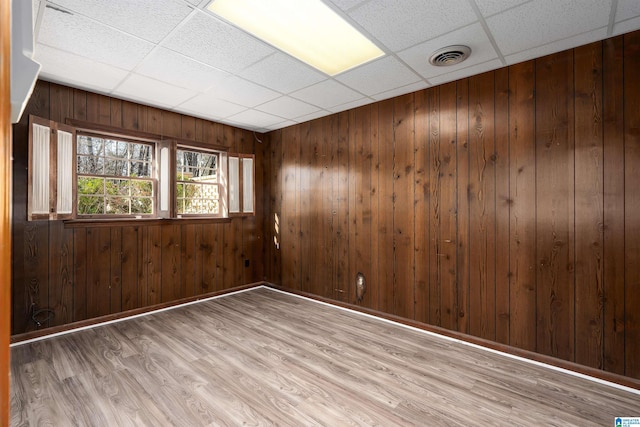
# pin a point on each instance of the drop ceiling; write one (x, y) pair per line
(176, 55)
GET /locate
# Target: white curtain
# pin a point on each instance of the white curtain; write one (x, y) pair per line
(40, 174)
(65, 172)
(234, 185)
(247, 185)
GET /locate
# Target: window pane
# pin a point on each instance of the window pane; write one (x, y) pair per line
(140, 169)
(120, 195)
(116, 167)
(118, 205)
(90, 205)
(115, 148)
(90, 165)
(142, 205)
(141, 188)
(90, 145)
(117, 187)
(90, 185)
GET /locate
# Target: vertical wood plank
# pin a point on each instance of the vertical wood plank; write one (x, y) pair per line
(153, 120)
(632, 203)
(316, 228)
(171, 124)
(80, 274)
(463, 254)
(170, 271)
(116, 112)
(435, 177)
(503, 204)
(522, 185)
(403, 207)
(554, 205)
(210, 258)
(130, 116)
(341, 207)
(36, 264)
(61, 273)
(385, 207)
(588, 154)
(329, 150)
(188, 258)
(130, 258)
(374, 281)
(290, 231)
(143, 266)
(61, 105)
(154, 265)
(188, 127)
(614, 201)
(421, 206)
(448, 207)
(115, 283)
(79, 104)
(305, 173)
(98, 277)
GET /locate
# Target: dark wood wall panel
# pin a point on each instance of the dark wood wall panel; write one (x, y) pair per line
(503, 205)
(82, 273)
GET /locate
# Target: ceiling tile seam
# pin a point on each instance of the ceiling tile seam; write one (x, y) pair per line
(612, 17)
(72, 12)
(491, 15)
(486, 29)
(78, 56)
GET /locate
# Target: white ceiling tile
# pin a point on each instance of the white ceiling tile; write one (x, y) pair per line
(242, 92)
(350, 105)
(281, 125)
(399, 24)
(81, 36)
(466, 72)
(255, 118)
(160, 16)
(217, 43)
(558, 46)
(545, 21)
(282, 73)
(401, 91)
(210, 106)
(626, 26)
(287, 107)
(491, 7)
(326, 94)
(473, 36)
(145, 89)
(627, 9)
(77, 71)
(379, 76)
(173, 68)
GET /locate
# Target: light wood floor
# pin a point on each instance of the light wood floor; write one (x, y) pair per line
(266, 358)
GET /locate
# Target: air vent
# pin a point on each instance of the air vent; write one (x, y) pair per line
(450, 55)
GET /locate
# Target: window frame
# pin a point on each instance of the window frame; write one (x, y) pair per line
(159, 179)
(222, 176)
(153, 178)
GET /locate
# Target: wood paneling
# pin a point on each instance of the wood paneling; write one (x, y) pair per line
(503, 205)
(82, 273)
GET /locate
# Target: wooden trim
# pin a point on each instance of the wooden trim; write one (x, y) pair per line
(549, 360)
(5, 207)
(131, 222)
(124, 314)
(106, 130)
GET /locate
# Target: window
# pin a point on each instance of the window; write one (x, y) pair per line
(114, 177)
(82, 172)
(198, 182)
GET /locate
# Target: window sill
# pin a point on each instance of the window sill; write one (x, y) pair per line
(132, 222)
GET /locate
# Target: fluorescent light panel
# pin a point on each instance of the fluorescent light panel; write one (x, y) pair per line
(305, 29)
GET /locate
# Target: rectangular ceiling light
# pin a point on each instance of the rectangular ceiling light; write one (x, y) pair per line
(306, 29)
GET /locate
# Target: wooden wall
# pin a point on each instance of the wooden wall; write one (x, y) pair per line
(82, 273)
(505, 205)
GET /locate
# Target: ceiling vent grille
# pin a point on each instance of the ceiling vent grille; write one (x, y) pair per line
(450, 55)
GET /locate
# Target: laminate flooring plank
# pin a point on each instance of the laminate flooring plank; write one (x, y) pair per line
(263, 357)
